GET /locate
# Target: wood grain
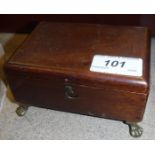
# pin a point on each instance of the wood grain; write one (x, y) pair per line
(56, 55)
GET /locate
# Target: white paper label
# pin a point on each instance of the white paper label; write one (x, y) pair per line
(117, 65)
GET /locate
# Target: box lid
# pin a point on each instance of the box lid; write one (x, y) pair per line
(68, 49)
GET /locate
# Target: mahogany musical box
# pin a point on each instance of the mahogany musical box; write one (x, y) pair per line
(90, 69)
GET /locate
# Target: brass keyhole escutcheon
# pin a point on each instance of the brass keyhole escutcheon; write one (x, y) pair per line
(69, 93)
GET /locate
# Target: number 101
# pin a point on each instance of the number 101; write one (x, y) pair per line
(115, 63)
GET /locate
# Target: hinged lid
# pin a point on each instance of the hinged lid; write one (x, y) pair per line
(69, 50)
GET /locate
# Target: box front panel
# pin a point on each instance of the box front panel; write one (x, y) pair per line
(58, 94)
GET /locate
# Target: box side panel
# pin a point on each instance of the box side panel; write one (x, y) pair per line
(49, 92)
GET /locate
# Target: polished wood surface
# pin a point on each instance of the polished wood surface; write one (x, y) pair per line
(73, 53)
(58, 55)
(49, 92)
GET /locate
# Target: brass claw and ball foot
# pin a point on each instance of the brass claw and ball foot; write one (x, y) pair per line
(21, 110)
(135, 130)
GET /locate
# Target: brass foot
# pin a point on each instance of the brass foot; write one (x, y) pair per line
(21, 110)
(135, 130)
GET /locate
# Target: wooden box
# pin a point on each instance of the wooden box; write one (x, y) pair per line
(54, 69)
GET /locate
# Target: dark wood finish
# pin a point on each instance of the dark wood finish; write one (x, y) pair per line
(26, 23)
(56, 55)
